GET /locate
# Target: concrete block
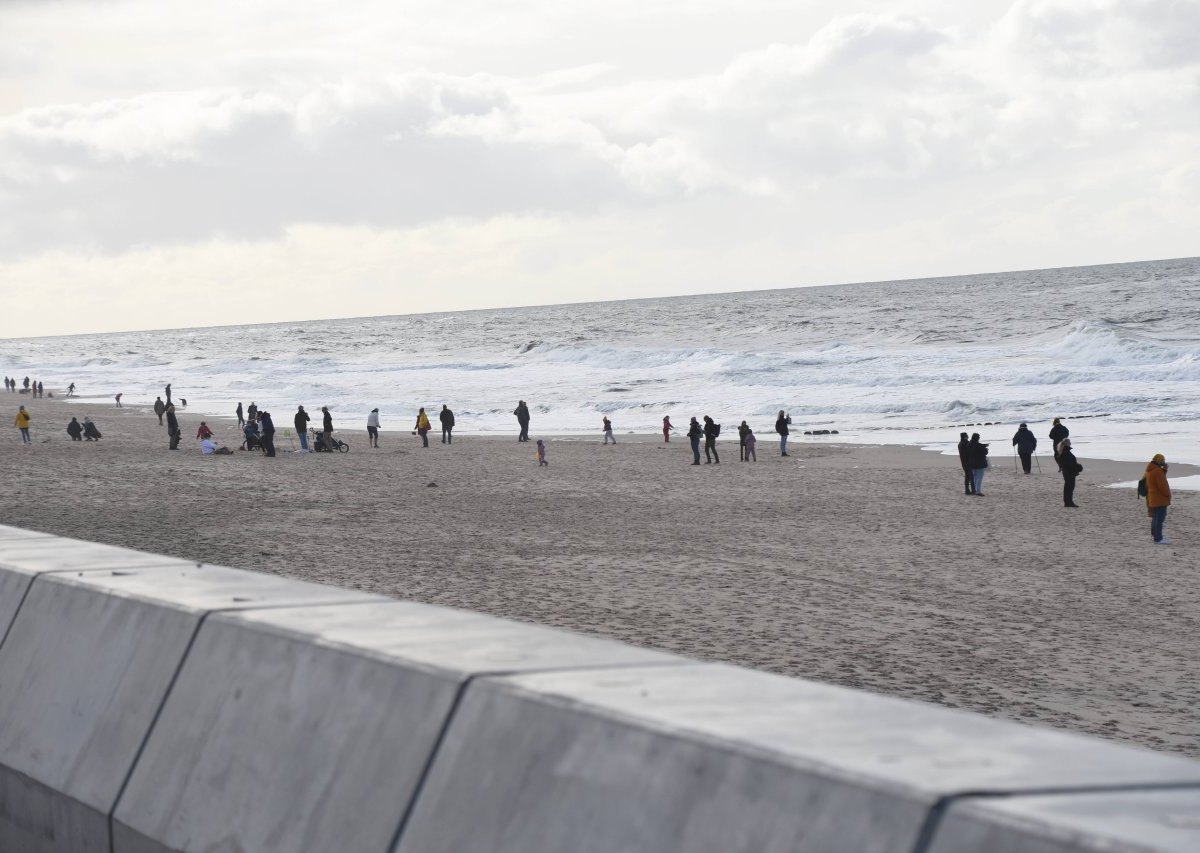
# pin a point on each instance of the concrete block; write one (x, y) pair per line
(309, 729)
(1131, 821)
(86, 665)
(716, 759)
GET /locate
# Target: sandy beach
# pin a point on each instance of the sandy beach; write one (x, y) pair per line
(862, 566)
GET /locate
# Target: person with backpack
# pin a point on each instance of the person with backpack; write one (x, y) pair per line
(300, 421)
(694, 434)
(977, 456)
(447, 418)
(781, 427)
(1070, 467)
(964, 459)
(423, 427)
(711, 431)
(1158, 497)
(1025, 442)
(1057, 433)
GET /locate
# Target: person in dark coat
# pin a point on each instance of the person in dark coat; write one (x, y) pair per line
(447, 418)
(1025, 442)
(964, 459)
(1070, 467)
(268, 432)
(711, 431)
(522, 413)
(75, 430)
(159, 408)
(167, 391)
(327, 428)
(743, 431)
(89, 430)
(1057, 433)
(252, 411)
(781, 427)
(240, 415)
(301, 423)
(694, 434)
(977, 453)
(173, 427)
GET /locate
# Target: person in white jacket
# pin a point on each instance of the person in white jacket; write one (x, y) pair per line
(373, 428)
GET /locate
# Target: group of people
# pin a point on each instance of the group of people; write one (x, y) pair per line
(83, 432)
(32, 388)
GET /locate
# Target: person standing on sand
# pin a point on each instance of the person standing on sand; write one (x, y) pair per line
(541, 454)
(252, 411)
(608, 435)
(241, 417)
(522, 413)
(751, 443)
(743, 429)
(711, 430)
(118, 398)
(964, 459)
(1071, 469)
(268, 433)
(159, 408)
(694, 434)
(300, 421)
(373, 428)
(1025, 442)
(667, 429)
(326, 428)
(167, 393)
(173, 428)
(1158, 497)
(977, 457)
(21, 422)
(1057, 433)
(781, 426)
(423, 427)
(75, 430)
(41, 389)
(447, 418)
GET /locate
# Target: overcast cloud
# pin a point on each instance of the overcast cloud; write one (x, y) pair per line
(164, 164)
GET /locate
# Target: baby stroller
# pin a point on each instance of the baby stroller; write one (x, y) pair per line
(318, 443)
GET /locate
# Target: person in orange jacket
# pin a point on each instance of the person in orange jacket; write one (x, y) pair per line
(1158, 496)
(21, 422)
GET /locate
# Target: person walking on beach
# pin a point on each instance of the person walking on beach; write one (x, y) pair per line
(964, 459)
(608, 435)
(118, 398)
(173, 427)
(21, 422)
(782, 422)
(300, 422)
(541, 454)
(667, 429)
(203, 432)
(1025, 442)
(326, 428)
(373, 428)
(252, 411)
(71, 390)
(423, 427)
(522, 413)
(1057, 433)
(977, 455)
(1158, 497)
(694, 434)
(75, 430)
(268, 433)
(90, 432)
(711, 431)
(159, 408)
(750, 443)
(1070, 467)
(447, 419)
(241, 416)
(743, 429)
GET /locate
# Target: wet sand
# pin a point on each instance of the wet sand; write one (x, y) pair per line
(862, 566)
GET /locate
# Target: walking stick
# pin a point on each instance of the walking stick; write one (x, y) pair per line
(1037, 461)
(1014, 459)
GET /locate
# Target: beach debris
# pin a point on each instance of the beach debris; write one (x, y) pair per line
(431, 485)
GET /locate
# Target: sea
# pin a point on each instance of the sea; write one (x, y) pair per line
(1114, 350)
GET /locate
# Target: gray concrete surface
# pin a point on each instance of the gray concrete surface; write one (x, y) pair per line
(309, 729)
(1163, 821)
(721, 759)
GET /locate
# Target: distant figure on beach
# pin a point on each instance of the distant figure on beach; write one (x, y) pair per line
(694, 434)
(241, 415)
(26, 383)
(183, 402)
(1158, 497)
(447, 418)
(252, 411)
(75, 430)
(977, 453)
(118, 399)
(608, 433)
(782, 422)
(90, 432)
(751, 443)
(711, 431)
(373, 428)
(1025, 442)
(41, 390)
(71, 390)
(326, 427)
(541, 454)
(743, 429)
(964, 459)
(522, 413)
(667, 429)
(1070, 467)
(268, 432)
(159, 408)
(173, 428)
(203, 432)
(1057, 433)
(423, 427)
(167, 393)
(300, 421)
(21, 422)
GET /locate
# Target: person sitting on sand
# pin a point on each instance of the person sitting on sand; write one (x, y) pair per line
(75, 430)
(541, 454)
(90, 432)
(204, 432)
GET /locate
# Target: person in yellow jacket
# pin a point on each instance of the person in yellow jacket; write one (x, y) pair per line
(423, 427)
(1158, 496)
(22, 423)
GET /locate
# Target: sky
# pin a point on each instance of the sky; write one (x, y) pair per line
(167, 164)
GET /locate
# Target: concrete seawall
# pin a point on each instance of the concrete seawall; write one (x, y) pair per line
(152, 704)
